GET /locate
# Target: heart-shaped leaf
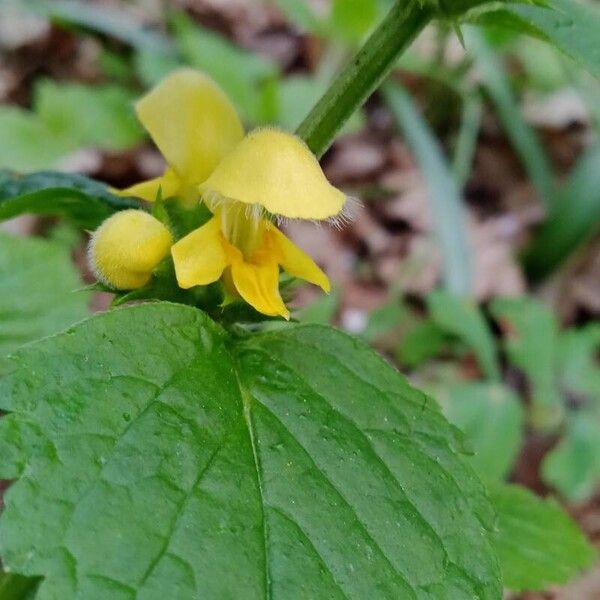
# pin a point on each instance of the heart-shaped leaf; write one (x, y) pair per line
(158, 457)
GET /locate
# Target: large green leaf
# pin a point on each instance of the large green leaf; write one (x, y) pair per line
(37, 297)
(83, 200)
(158, 457)
(537, 543)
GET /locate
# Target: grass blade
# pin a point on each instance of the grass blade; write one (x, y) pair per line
(521, 135)
(444, 193)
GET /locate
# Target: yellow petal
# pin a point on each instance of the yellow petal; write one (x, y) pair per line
(275, 170)
(258, 285)
(192, 122)
(169, 185)
(296, 262)
(127, 247)
(199, 257)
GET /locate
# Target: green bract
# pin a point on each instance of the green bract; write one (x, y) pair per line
(157, 456)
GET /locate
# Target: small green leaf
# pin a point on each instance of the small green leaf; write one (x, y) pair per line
(155, 453)
(531, 338)
(573, 467)
(578, 352)
(37, 279)
(99, 116)
(82, 200)
(66, 118)
(491, 417)
(421, 342)
(537, 542)
(385, 319)
(463, 319)
(26, 151)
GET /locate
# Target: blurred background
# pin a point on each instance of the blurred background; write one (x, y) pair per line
(472, 261)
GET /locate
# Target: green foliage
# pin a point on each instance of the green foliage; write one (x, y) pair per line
(570, 25)
(522, 137)
(100, 19)
(573, 218)
(491, 417)
(154, 453)
(353, 18)
(537, 543)
(38, 283)
(578, 350)
(83, 115)
(564, 376)
(573, 466)
(297, 93)
(531, 337)
(444, 194)
(65, 118)
(241, 74)
(300, 13)
(78, 198)
(322, 310)
(422, 341)
(384, 319)
(463, 319)
(15, 587)
(31, 147)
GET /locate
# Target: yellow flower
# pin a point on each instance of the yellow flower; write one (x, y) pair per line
(245, 182)
(194, 126)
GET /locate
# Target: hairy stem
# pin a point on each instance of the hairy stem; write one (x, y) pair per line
(361, 77)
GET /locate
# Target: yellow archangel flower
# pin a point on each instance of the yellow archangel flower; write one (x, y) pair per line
(244, 181)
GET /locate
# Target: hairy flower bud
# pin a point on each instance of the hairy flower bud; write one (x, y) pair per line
(127, 247)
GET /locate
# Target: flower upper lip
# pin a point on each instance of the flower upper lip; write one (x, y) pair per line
(199, 133)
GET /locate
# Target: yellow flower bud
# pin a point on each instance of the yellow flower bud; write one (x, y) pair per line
(127, 247)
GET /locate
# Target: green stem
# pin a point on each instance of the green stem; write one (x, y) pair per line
(363, 75)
